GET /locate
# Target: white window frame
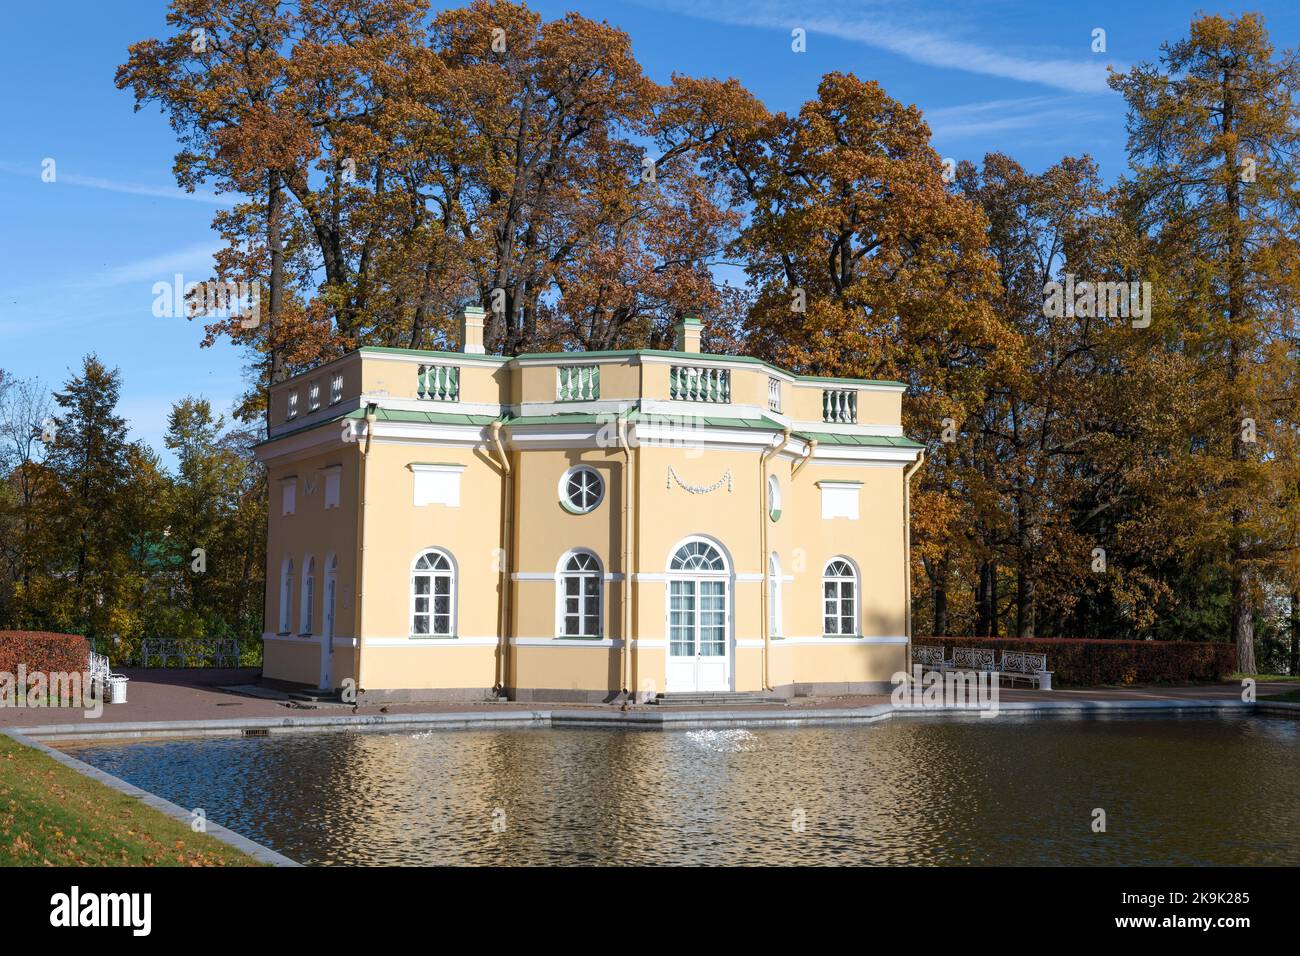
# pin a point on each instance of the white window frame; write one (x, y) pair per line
(336, 388)
(563, 490)
(453, 574)
(562, 576)
(293, 406)
(286, 595)
(307, 609)
(839, 580)
(313, 396)
(289, 495)
(774, 497)
(333, 490)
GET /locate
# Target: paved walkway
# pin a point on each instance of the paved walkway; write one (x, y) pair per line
(169, 696)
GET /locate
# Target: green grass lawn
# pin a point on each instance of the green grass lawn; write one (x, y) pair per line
(1268, 678)
(50, 815)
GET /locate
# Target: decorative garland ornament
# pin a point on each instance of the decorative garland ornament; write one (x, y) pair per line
(698, 489)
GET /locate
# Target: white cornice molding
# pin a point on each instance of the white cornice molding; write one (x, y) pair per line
(605, 642)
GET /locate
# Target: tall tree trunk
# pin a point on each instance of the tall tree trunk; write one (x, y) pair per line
(1243, 621)
(1293, 664)
(275, 294)
(940, 587)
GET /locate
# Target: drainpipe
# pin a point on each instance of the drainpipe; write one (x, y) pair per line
(907, 548)
(361, 543)
(809, 451)
(503, 648)
(766, 565)
(626, 656)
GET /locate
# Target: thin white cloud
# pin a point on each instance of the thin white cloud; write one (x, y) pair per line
(932, 47)
(994, 116)
(70, 301)
(116, 186)
(194, 261)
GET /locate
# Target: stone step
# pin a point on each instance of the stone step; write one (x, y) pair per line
(717, 699)
(316, 696)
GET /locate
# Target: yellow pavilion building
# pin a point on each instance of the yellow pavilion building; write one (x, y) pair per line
(584, 526)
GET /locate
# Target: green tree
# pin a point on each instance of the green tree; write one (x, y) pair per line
(88, 455)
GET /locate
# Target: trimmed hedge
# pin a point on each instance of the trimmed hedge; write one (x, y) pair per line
(43, 651)
(1083, 662)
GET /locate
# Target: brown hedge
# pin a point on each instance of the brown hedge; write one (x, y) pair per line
(43, 651)
(1083, 662)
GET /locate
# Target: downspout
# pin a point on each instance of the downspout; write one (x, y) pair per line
(361, 544)
(626, 661)
(907, 547)
(807, 457)
(765, 563)
(503, 648)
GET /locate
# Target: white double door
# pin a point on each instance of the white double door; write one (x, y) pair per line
(699, 652)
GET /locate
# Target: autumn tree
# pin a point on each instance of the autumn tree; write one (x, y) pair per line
(1213, 137)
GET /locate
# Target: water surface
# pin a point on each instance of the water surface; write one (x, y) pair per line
(1014, 790)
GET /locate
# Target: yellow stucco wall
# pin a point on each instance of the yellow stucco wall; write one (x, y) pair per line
(665, 511)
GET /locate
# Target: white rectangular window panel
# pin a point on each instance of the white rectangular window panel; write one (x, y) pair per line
(840, 500)
(437, 484)
(313, 397)
(293, 405)
(288, 497)
(332, 477)
(336, 389)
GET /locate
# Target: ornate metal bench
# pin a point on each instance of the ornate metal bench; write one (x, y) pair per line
(98, 669)
(1023, 666)
(973, 659)
(927, 655)
(173, 652)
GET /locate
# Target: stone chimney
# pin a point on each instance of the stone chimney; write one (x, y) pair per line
(471, 330)
(688, 334)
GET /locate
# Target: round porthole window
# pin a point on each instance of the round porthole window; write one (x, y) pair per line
(773, 498)
(581, 489)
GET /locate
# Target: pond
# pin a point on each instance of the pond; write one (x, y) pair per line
(1014, 790)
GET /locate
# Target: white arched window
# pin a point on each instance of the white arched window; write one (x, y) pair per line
(840, 599)
(579, 609)
(773, 498)
(433, 595)
(697, 555)
(308, 595)
(286, 595)
(774, 595)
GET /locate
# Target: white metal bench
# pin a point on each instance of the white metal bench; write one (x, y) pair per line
(98, 669)
(928, 655)
(1024, 666)
(978, 659)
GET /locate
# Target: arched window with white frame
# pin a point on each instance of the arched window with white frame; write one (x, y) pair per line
(839, 599)
(307, 621)
(286, 595)
(579, 611)
(433, 594)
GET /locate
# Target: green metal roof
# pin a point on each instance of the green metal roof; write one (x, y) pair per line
(762, 423)
(877, 441)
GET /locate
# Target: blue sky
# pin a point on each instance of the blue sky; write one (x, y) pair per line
(79, 256)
